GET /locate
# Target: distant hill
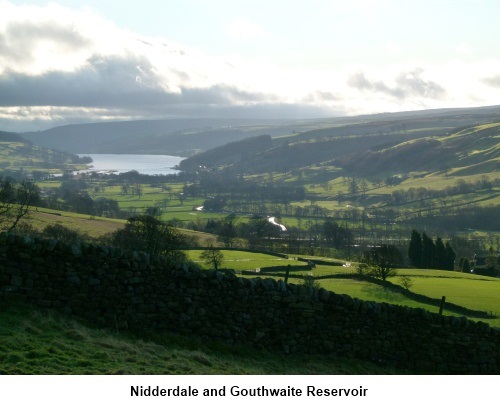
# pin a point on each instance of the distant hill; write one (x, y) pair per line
(186, 137)
(181, 137)
(371, 149)
(10, 137)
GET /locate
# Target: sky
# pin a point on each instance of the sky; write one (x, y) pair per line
(78, 61)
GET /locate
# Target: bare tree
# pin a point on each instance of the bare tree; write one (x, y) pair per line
(16, 200)
(212, 256)
(383, 261)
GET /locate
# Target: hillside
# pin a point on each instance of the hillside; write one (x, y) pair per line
(469, 150)
(181, 137)
(472, 150)
(18, 155)
(231, 153)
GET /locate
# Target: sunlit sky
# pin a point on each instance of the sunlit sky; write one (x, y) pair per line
(80, 61)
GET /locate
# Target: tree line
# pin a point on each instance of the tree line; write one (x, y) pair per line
(425, 253)
(460, 187)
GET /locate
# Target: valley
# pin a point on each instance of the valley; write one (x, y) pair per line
(335, 190)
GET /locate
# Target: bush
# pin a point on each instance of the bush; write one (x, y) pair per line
(406, 282)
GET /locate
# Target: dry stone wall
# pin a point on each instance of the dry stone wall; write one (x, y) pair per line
(131, 290)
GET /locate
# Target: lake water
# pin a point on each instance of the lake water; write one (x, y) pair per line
(144, 164)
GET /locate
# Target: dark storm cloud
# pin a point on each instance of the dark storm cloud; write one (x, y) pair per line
(408, 84)
(130, 86)
(104, 82)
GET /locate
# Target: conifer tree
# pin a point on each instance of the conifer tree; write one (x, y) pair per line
(428, 252)
(440, 254)
(450, 257)
(415, 249)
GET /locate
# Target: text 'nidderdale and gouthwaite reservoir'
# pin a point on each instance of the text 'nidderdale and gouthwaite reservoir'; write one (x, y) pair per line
(236, 391)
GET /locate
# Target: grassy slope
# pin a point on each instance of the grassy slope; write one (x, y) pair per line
(93, 226)
(43, 342)
(34, 341)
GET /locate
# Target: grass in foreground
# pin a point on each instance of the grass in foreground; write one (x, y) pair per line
(43, 342)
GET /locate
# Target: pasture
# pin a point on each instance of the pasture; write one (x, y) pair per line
(467, 290)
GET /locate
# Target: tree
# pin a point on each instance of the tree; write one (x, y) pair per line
(415, 249)
(450, 257)
(125, 188)
(64, 234)
(16, 200)
(353, 187)
(466, 266)
(440, 254)
(461, 264)
(491, 265)
(137, 188)
(7, 197)
(212, 257)
(228, 230)
(406, 282)
(383, 261)
(428, 252)
(335, 235)
(149, 234)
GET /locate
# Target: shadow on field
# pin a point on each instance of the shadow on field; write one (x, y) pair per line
(381, 293)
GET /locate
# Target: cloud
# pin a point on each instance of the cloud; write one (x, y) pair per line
(322, 97)
(412, 84)
(63, 62)
(66, 66)
(360, 82)
(108, 81)
(406, 84)
(493, 81)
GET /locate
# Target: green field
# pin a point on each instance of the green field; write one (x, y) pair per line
(240, 260)
(467, 290)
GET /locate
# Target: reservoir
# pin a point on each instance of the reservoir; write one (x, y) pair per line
(144, 164)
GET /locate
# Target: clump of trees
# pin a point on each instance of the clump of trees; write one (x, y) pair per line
(488, 265)
(64, 234)
(151, 235)
(73, 195)
(424, 253)
(460, 187)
